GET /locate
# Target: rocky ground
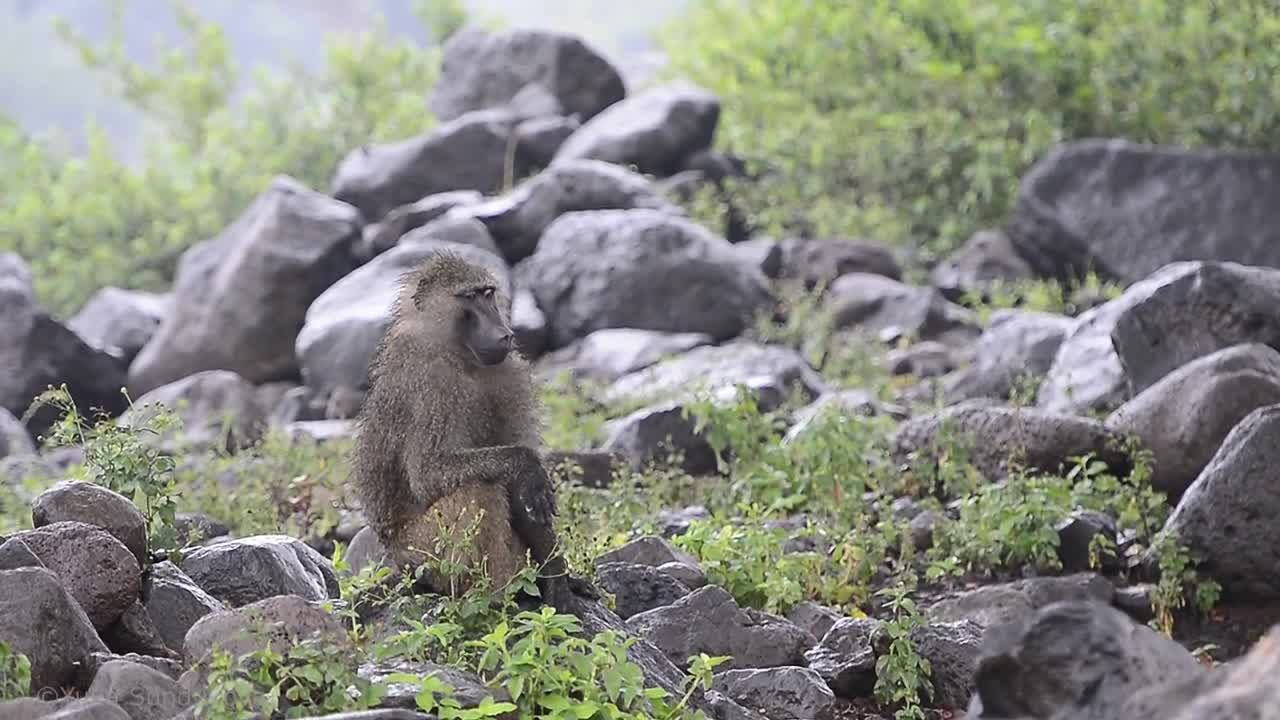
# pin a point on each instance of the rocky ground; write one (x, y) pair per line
(891, 516)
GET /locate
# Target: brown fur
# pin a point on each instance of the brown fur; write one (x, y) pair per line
(440, 432)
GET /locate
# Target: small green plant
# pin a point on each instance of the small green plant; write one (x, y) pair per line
(310, 678)
(1179, 582)
(902, 675)
(120, 458)
(15, 673)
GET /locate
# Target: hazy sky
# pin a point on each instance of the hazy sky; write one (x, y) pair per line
(44, 87)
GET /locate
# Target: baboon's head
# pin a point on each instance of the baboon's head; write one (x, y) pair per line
(461, 307)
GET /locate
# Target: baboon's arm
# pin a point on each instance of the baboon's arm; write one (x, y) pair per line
(439, 473)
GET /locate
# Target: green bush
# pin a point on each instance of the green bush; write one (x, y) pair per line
(912, 120)
(92, 221)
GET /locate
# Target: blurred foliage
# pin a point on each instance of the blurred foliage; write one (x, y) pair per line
(91, 221)
(912, 120)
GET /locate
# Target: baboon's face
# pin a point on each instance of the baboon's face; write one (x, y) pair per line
(481, 328)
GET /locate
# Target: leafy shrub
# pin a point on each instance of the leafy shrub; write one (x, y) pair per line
(15, 673)
(120, 458)
(912, 120)
(87, 222)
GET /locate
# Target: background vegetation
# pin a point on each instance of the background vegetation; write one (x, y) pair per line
(908, 121)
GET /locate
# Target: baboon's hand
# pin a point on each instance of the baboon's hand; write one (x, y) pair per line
(531, 492)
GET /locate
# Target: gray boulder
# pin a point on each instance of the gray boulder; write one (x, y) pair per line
(1226, 517)
(37, 352)
(986, 259)
(144, 693)
(715, 369)
(244, 571)
(278, 622)
(482, 70)
(1184, 416)
(608, 354)
(1197, 309)
(654, 131)
(1126, 209)
(466, 153)
(640, 269)
(1073, 660)
(41, 620)
(781, 693)
(890, 309)
(94, 505)
(1017, 345)
(100, 572)
(14, 438)
(239, 299)
(120, 322)
(379, 237)
(637, 588)
(709, 620)
(518, 219)
(175, 603)
(1086, 373)
(216, 408)
(845, 659)
(820, 262)
(991, 436)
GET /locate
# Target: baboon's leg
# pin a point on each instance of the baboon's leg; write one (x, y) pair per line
(533, 510)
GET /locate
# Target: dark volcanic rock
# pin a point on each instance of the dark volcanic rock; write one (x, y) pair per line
(377, 238)
(41, 620)
(640, 269)
(37, 352)
(638, 588)
(996, 605)
(217, 408)
(483, 70)
(1184, 417)
(175, 603)
(782, 693)
(845, 659)
(466, 153)
(279, 622)
(710, 621)
(1227, 516)
(120, 322)
(655, 131)
(239, 572)
(987, 258)
(992, 435)
(820, 262)
(608, 354)
(715, 369)
(1073, 660)
(240, 298)
(890, 309)
(1017, 345)
(99, 571)
(1197, 309)
(1127, 209)
(94, 505)
(1086, 373)
(518, 219)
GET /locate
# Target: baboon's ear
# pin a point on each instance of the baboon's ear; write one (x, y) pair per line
(423, 291)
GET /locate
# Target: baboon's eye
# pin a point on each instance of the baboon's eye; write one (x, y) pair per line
(487, 293)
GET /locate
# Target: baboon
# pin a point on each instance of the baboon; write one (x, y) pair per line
(449, 430)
